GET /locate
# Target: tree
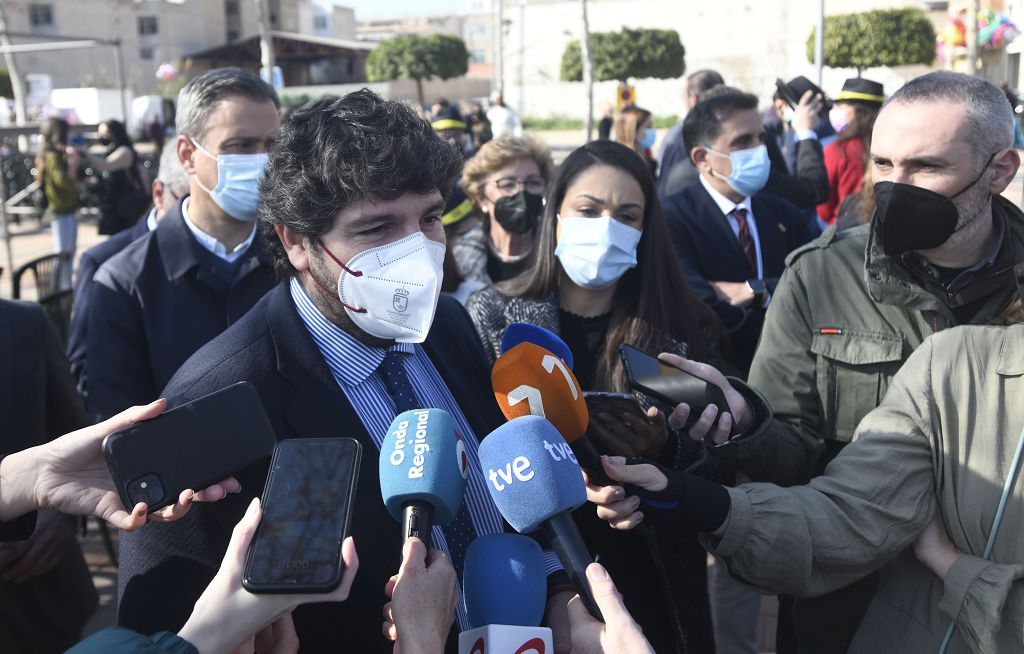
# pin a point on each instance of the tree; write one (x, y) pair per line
(418, 58)
(886, 37)
(6, 90)
(629, 53)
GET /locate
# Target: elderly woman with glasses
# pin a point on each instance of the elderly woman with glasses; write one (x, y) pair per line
(505, 182)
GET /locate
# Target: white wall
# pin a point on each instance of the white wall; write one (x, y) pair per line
(751, 42)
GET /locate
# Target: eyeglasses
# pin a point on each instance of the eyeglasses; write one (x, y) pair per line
(510, 185)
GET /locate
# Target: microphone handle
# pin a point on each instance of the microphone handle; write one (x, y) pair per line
(590, 460)
(418, 521)
(572, 552)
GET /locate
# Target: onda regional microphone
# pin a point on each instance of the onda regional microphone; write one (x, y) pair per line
(535, 482)
(505, 590)
(423, 471)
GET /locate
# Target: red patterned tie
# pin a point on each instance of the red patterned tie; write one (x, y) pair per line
(746, 241)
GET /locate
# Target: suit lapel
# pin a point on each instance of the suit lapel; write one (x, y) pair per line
(317, 401)
(771, 232)
(717, 225)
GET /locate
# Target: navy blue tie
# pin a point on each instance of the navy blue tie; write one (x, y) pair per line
(460, 533)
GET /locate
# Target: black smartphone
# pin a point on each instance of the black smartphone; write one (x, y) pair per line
(191, 446)
(307, 504)
(669, 385)
(618, 403)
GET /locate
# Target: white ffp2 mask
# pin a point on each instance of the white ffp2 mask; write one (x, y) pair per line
(391, 291)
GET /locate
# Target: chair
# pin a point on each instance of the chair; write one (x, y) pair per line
(47, 272)
(58, 307)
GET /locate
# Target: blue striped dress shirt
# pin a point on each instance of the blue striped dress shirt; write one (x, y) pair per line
(354, 366)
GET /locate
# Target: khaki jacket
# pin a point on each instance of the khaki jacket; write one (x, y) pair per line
(843, 319)
(943, 439)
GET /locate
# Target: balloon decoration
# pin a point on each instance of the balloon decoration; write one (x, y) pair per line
(994, 31)
(166, 72)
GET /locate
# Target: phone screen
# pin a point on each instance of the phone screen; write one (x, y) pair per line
(306, 507)
(640, 364)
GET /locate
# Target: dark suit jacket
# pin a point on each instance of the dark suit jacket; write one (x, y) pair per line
(157, 302)
(677, 169)
(88, 263)
(807, 186)
(709, 251)
(165, 567)
(38, 401)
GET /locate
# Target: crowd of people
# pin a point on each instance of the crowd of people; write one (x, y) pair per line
(843, 270)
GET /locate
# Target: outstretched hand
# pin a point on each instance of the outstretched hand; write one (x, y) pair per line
(69, 474)
(619, 633)
(613, 505)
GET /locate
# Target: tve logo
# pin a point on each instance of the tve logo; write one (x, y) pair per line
(560, 451)
(517, 469)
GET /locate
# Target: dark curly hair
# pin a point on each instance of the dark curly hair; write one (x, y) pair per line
(337, 151)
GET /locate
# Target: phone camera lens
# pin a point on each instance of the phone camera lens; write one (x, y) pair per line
(156, 494)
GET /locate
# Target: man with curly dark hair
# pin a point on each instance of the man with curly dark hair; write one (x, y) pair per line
(356, 332)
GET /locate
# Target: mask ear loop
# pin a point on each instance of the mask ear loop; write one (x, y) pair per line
(976, 179)
(330, 294)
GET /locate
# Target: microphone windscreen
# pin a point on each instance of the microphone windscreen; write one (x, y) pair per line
(529, 380)
(423, 459)
(504, 581)
(524, 332)
(531, 472)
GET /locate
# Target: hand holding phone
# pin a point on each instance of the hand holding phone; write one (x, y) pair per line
(671, 385)
(307, 505)
(189, 447)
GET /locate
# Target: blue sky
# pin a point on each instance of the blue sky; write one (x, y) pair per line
(369, 9)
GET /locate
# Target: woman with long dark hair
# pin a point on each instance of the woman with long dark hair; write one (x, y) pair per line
(846, 158)
(57, 172)
(603, 273)
(126, 196)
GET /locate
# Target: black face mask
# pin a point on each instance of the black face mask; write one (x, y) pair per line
(518, 213)
(105, 142)
(910, 218)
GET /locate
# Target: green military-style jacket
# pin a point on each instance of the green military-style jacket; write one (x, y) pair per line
(844, 318)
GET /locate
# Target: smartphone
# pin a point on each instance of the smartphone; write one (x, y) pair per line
(307, 505)
(669, 385)
(618, 403)
(191, 446)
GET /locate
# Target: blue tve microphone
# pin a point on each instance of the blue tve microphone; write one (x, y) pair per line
(535, 482)
(498, 568)
(524, 332)
(423, 471)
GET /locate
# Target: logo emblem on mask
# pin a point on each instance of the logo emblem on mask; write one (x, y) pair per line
(401, 300)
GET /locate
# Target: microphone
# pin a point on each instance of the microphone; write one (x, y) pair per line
(530, 380)
(504, 590)
(423, 471)
(524, 332)
(535, 482)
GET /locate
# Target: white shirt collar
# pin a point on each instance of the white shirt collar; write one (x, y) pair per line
(211, 244)
(725, 204)
(151, 219)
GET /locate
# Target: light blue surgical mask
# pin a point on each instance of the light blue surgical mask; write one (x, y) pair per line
(750, 170)
(238, 177)
(596, 252)
(649, 137)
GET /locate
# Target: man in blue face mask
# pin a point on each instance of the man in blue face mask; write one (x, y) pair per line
(732, 240)
(169, 293)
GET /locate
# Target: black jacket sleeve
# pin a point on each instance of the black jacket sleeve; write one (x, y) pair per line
(809, 186)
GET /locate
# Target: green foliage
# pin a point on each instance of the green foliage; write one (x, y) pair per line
(630, 53)
(565, 123)
(6, 90)
(886, 37)
(418, 57)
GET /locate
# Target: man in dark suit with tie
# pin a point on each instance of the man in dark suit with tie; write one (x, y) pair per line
(167, 294)
(732, 239)
(351, 206)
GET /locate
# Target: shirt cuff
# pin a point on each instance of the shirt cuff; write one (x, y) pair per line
(805, 134)
(737, 526)
(552, 564)
(958, 582)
